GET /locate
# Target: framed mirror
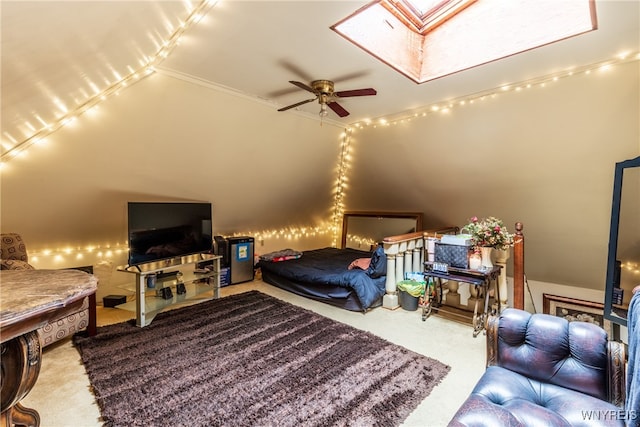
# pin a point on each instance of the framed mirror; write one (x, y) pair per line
(363, 230)
(623, 261)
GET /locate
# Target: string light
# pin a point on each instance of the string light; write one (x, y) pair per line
(147, 68)
(366, 242)
(288, 233)
(631, 267)
(296, 233)
(341, 183)
(446, 106)
(108, 251)
(332, 228)
(62, 254)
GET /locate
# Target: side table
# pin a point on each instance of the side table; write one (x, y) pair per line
(481, 279)
(29, 299)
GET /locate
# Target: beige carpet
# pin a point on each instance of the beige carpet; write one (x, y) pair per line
(63, 397)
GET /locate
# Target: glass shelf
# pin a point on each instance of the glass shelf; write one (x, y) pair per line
(154, 303)
(188, 276)
(169, 274)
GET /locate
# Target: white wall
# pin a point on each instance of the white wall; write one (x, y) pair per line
(167, 139)
(544, 156)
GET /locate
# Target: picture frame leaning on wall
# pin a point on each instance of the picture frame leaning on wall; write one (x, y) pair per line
(576, 309)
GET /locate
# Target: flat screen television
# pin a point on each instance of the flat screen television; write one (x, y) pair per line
(165, 230)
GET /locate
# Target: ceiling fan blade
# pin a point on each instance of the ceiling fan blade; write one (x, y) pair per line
(282, 92)
(356, 92)
(350, 76)
(297, 104)
(302, 86)
(337, 108)
(298, 71)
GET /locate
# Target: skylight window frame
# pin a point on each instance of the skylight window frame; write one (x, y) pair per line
(422, 23)
(463, 41)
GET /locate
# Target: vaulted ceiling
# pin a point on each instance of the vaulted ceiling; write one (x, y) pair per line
(56, 55)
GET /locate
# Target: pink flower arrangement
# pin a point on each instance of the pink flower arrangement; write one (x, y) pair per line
(488, 232)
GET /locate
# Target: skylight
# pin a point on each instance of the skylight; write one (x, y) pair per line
(428, 39)
(425, 15)
(422, 6)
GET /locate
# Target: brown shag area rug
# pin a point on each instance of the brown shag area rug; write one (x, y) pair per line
(252, 360)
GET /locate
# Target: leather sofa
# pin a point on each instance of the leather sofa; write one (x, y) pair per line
(13, 256)
(545, 371)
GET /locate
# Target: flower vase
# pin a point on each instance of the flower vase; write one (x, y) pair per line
(485, 252)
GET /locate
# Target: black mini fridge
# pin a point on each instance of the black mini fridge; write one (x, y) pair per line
(240, 259)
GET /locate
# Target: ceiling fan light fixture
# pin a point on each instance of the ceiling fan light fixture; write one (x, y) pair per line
(323, 110)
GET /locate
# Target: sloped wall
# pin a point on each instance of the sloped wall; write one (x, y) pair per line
(165, 139)
(543, 156)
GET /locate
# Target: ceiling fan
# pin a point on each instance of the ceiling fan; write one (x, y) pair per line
(324, 91)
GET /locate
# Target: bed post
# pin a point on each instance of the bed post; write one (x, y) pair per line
(390, 299)
(518, 267)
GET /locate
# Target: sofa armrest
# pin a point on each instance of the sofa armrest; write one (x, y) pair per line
(617, 373)
(492, 339)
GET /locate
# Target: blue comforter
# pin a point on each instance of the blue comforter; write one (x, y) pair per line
(330, 266)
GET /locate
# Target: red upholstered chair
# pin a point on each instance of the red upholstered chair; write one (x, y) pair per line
(13, 256)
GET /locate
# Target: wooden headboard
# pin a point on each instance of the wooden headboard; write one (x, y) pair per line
(373, 226)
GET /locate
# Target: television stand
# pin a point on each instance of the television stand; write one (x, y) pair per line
(165, 275)
(185, 275)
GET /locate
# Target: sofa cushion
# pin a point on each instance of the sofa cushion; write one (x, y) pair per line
(552, 350)
(12, 247)
(65, 326)
(15, 264)
(505, 398)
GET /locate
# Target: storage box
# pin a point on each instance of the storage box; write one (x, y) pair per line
(113, 300)
(454, 255)
(457, 239)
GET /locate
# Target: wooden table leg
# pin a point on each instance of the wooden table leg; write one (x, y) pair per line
(20, 366)
(477, 318)
(92, 326)
(22, 416)
(497, 288)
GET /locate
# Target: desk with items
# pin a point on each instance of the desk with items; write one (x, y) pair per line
(482, 281)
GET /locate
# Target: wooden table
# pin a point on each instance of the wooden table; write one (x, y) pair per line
(29, 299)
(481, 279)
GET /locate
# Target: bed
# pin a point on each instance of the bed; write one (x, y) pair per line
(324, 274)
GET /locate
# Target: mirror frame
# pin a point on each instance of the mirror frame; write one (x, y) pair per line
(417, 216)
(613, 239)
